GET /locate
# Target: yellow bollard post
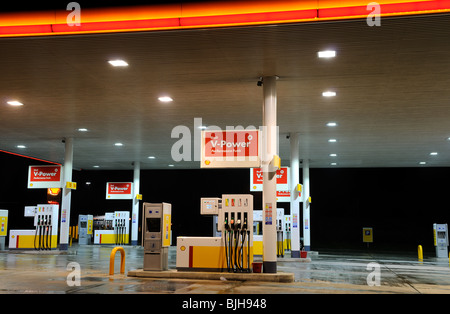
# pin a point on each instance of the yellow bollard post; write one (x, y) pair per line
(420, 252)
(122, 260)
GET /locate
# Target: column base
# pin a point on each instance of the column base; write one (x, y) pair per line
(295, 254)
(63, 246)
(307, 248)
(270, 267)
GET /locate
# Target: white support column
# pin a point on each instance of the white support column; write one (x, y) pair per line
(306, 207)
(66, 196)
(135, 211)
(270, 148)
(294, 139)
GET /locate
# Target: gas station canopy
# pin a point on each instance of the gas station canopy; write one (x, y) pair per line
(386, 89)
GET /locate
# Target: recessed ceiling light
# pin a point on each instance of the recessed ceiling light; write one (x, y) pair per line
(165, 99)
(171, 165)
(333, 164)
(327, 54)
(202, 127)
(151, 157)
(422, 163)
(328, 94)
(118, 144)
(14, 103)
(96, 166)
(82, 130)
(21, 146)
(332, 140)
(333, 155)
(331, 124)
(433, 153)
(118, 63)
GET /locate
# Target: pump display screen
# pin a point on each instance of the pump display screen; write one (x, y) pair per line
(153, 224)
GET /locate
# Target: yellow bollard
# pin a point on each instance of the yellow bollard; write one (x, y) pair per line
(420, 252)
(122, 260)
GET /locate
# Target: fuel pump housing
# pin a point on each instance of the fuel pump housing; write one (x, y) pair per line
(440, 233)
(3, 227)
(116, 229)
(230, 252)
(85, 229)
(156, 237)
(45, 234)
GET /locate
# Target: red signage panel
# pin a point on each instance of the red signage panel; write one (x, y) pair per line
(44, 177)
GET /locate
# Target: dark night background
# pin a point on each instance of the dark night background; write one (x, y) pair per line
(400, 204)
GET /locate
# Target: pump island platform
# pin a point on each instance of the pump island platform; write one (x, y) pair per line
(224, 276)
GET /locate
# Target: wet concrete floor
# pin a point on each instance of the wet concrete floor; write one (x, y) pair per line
(85, 270)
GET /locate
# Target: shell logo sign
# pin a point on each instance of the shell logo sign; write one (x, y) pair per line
(230, 149)
(256, 179)
(283, 183)
(119, 190)
(44, 177)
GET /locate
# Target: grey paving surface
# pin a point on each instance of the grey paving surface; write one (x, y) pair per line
(327, 273)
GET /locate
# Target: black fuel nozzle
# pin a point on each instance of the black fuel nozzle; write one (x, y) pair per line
(226, 225)
(238, 222)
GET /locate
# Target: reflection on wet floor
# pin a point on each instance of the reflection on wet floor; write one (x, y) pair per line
(327, 273)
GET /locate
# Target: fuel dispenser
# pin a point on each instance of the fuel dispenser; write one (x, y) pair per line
(104, 222)
(280, 232)
(283, 232)
(45, 234)
(257, 233)
(46, 223)
(121, 226)
(233, 250)
(3, 228)
(116, 229)
(235, 217)
(85, 228)
(156, 237)
(440, 232)
(287, 232)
